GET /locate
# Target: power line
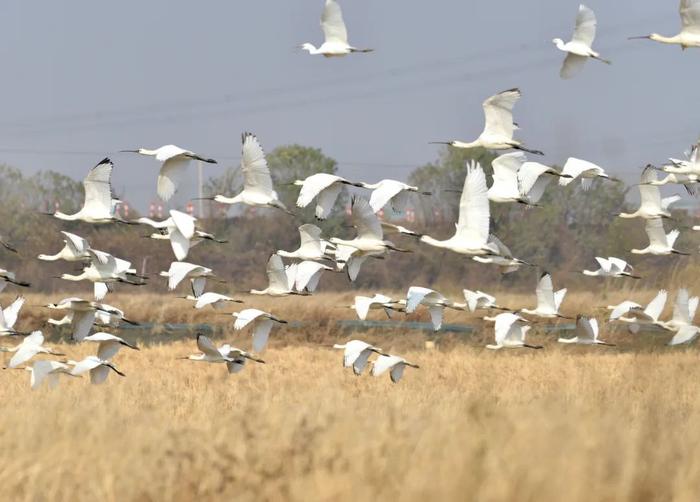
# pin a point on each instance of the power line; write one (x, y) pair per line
(168, 110)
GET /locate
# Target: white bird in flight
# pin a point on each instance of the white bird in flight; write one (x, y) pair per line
(363, 304)
(174, 163)
(356, 354)
(280, 279)
(660, 242)
(652, 206)
(215, 300)
(308, 274)
(587, 332)
(390, 192)
(30, 346)
(325, 188)
(690, 27)
(108, 344)
(548, 301)
(233, 358)
(503, 258)
(257, 181)
(611, 267)
(510, 331)
(99, 205)
(394, 364)
(312, 246)
(580, 48)
(197, 274)
(433, 300)
(587, 171)
(533, 178)
(48, 371)
(499, 127)
(368, 242)
(180, 229)
(685, 334)
(75, 249)
(684, 310)
(9, 316)
(472, 230)
(617, 311)
(105, 270)
(506, 186)
(98, 369)
(7, 277)
(636, 316)
(335, 34)
(81, 314)
(108, 316)
(261, 323)
(476, 300)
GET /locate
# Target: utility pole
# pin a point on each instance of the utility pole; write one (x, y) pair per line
(200, 174)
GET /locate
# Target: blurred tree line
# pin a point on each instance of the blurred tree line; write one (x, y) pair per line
(570, 228)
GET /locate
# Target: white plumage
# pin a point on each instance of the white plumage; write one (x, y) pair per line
(335, 34)
(394, 364)
(356, 354)
(261, 322)
(499, 126)
(472, 229)
(174, 163)
(257, 181)
(580, 48)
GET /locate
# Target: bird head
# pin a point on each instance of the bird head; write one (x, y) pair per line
(307, 47)
(558, 42)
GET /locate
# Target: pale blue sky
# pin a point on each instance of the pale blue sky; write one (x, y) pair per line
(87, 78)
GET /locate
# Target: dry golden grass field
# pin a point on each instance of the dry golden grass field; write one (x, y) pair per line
(563, 423)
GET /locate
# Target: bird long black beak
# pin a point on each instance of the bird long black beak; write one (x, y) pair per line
(9, 247)
(439, 142)
(128, 151)
(641, 37)
(399, 250)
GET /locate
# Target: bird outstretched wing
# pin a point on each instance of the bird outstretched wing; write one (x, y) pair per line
(474, 214)
(256, 174)
(364, 220)
(690, 16)
(545, 293)
(276, 273)
(332, 23)
(387, 190)
(98, 188)
(584, 32)
(206, 346)
(171, 172)
(572, 65)
(498, 113)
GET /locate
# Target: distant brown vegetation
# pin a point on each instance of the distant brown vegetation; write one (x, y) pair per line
(565, 234)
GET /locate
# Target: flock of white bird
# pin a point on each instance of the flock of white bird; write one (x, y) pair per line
(515, 180)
